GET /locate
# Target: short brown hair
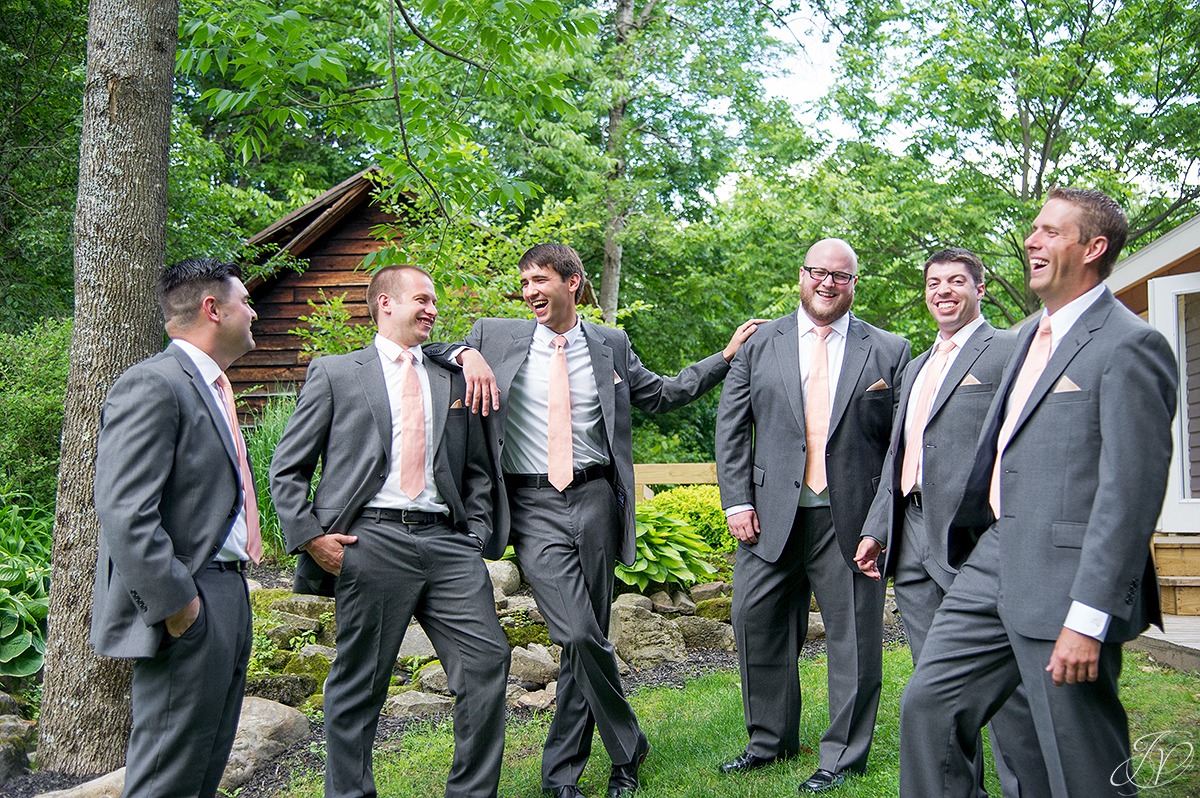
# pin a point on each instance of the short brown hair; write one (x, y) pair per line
(388, 280)
(1099, 217)
(958, 255)
(560, 257)
(183, 286)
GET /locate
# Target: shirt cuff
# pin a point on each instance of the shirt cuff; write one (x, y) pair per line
(454, 353)
(1087, 620)
(738, 508)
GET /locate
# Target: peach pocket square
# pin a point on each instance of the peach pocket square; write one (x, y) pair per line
(1065, 385)
(970, 379)
(457, 404)
(879, 385)
(617, 378)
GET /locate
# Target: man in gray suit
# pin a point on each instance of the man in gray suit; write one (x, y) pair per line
(567, 537)
(1065, 490)
(944, 396)
(803, 426)
(401, 515)
(178, 522)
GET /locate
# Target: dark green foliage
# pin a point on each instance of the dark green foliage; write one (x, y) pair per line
(25, 528)
(261, 438)
(33, 379)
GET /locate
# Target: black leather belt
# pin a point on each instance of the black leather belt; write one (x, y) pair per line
(409, 517)
(228, 565)
(915, 498)
(543, 481)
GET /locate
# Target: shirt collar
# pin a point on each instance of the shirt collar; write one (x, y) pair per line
(543, 335)
(207, 367)
(841, 325)
(1063, 319)
(390, 350)
(964, 333)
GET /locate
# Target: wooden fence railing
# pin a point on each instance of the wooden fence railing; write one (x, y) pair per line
(647, 474)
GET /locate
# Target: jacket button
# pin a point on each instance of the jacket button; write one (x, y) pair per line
(797, 483)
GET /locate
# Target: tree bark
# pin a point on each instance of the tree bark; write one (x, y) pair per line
(120, 246)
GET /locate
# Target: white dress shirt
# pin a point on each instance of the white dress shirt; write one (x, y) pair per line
(527, 430)
(390, 496)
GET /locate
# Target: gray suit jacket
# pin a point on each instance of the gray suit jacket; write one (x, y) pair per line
(622, 381)
(167, 491)
(951, 433)
(761, 446)
(1082, 479)
(344, 420)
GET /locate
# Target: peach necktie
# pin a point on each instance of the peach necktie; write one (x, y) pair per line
(1035, 363)
(412, 429)
(816, 413)
(910, 469)
(559, 454)
(254, 545)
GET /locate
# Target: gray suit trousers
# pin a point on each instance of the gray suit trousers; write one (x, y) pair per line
(971, 664)
(770, 621)
(566, 544)
(919, 593)
(187, 698)
(435, 573)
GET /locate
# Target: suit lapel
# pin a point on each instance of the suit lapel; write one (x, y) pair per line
(204, 390)
(602, 365)
(370, 377)
(962, 366)
(439, 398)
(787, 355)
(858, 347)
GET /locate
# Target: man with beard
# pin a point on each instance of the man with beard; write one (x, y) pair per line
(804, 423)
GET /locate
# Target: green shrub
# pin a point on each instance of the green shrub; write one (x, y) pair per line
(261, 439)
(25, 533)
(33, 380)
(700, 507)
(669, 552)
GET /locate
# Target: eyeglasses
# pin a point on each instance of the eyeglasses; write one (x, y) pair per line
(839, 278)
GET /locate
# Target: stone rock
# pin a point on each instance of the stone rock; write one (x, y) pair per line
(17, 737)
(415, 704)
(816, 626)
(8, 705)
(661, 597)
(312, 660)
(265, 730)
(643, 638)
(292, 689)
(891, 613)
(308, 606)
(253, 585)
(499, 598)
(505, 576)
(711, 590)
(523, 604)
(633, 600)
(706, 633)
(291, 626)
(432, 679)
(539, 699)
(683, 602)
(719, 608)
(513, 694)
(416, 643)
(110, 785)
(533, 665)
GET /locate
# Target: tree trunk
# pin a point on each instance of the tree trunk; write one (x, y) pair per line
(615, 205)
(120, 246)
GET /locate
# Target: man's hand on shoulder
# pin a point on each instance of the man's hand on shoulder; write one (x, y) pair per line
(744, 331)
(327, 550)
(481, 382)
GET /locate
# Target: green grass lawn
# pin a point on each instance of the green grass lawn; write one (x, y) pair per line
(693, 730)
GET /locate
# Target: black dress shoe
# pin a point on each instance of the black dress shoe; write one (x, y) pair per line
(565, 791)
(746, 762)
(821, 781)
(623, 781)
